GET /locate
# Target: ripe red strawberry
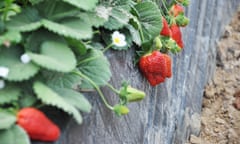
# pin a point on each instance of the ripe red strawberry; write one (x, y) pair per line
(165, 30)
(176, 9)
(177, 35)
(153, 67)
(37, 125)
(168, 65)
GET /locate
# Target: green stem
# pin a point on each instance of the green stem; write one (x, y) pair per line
(141, 35)
(106, 48)
(113, 89)
(172, 3)
(164, 5)
(96, 87)
(96, 32)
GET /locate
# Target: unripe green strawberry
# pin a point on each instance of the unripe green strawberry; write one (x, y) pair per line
(37, 125)
(134, 94)
(157, 43)
(181, 20)
(120, 109)
(153, 67)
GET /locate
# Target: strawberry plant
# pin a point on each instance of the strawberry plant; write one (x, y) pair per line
(53, 51)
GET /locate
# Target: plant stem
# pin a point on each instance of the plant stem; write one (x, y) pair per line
(106, 48)
(141, 34)
(96, 87)
(164, 5)
(113, 89)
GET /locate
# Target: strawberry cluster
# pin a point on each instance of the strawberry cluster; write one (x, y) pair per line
(156, 65)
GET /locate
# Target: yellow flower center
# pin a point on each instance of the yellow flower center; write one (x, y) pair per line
(117, 40)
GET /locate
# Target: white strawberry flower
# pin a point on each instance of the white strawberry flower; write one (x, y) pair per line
(25, 58)
(2, 84)
(4, 71)
(118, 39)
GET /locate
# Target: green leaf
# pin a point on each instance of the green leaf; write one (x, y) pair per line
(36, 38)
(27, 20)
(74, 28)
(9, 94)
(62, 80)
(118, 18)
(14, 135)
(135, 35)
(35, 1)
(18, 71)
(12, 36)
(74, 98)
(27, 100)
(150, 18)
(78, 46)
(95, 66)
(6, 120)
(55, 56)
(92, 19)
(56, 10)
(83, 4)
(50, 97)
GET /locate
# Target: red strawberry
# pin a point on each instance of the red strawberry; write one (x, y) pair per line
(37, 125)
(165, 30)
(168, 65)
(153, 67)
(176, 9)
(177, 35)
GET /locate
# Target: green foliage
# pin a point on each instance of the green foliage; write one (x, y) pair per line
(83, 4)
(50, 97)
(96, 67)
(74, 98)
(70, 28)
(14, 135)
(150, 19)
(6, 120)
(62, 80)
(27, 20)
(10, 57)
(10, 36)
(118, 18)
(65, 40)
(35, 1)
(50, 57)
(9, 94)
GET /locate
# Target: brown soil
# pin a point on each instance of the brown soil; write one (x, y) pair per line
(221, 104)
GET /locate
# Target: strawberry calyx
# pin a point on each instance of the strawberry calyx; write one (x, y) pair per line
(182, 20)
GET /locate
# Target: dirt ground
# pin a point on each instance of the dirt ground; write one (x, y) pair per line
(221, 104)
